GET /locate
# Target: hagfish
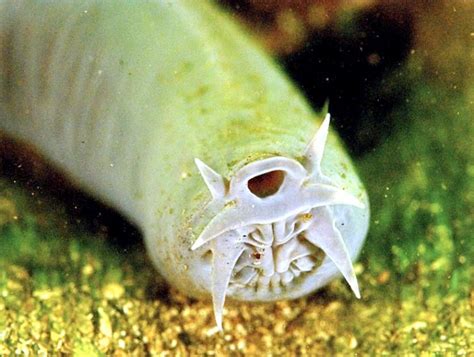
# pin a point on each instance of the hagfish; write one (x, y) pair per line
(169, 113)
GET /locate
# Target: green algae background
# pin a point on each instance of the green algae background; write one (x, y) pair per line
(72, 283)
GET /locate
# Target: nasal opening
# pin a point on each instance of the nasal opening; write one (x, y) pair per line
(266, 184)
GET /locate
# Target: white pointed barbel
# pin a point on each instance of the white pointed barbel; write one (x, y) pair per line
(315, 150)
(225, 255)
(214, 182)
(324, 234)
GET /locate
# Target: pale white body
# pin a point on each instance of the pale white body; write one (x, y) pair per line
(123, 97)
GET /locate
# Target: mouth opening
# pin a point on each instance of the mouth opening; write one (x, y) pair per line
(251, 273)
(266, 184)
(276, 255)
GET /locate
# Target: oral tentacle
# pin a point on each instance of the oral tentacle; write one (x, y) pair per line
(315, 150)
(324, 234)
(214, 182)
(225, 255)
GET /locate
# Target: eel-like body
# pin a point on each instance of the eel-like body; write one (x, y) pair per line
(166, 111)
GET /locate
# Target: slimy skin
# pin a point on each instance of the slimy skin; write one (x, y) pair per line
(167, 112)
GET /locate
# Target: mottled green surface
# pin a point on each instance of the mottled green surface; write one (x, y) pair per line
(67, 287)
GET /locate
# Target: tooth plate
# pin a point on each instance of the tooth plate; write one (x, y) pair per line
(270, 251)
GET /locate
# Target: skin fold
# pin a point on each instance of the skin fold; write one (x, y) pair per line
(165, 110)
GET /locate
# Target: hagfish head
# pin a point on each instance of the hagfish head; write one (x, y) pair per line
(275, 233)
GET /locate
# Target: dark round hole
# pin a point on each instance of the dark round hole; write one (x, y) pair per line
(266, 184)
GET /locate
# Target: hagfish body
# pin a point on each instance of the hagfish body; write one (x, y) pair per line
(168, 113)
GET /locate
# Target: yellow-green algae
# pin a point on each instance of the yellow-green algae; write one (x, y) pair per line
(66, 288)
